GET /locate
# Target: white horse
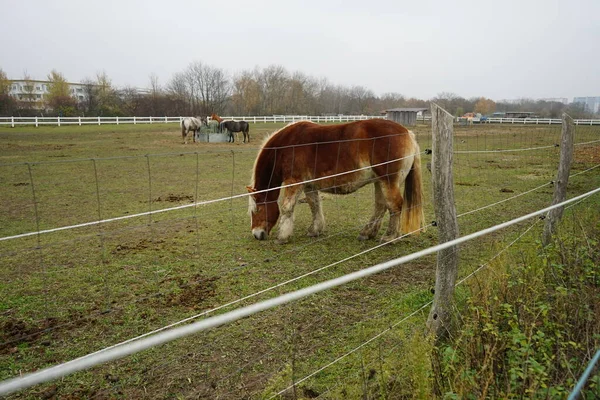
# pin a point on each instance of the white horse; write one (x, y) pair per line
(190, 124)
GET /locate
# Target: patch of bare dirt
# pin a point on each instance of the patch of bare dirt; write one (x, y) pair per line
(141, 245)
(194, 292)
(587, 154)
(14, 331)
(174, 198)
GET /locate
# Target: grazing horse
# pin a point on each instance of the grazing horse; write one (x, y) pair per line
(190, 124)
(337, 159)
(237, 126)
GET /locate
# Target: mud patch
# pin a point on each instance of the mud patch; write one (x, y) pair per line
(21, 184)
(14, 331)
(193, 292)
(173, 198)
(141, 245)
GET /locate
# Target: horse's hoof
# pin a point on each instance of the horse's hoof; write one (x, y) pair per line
(281, 241)
(313, 234)
(387, 239)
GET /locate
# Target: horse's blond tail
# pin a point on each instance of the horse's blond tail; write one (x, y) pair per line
(413, 217)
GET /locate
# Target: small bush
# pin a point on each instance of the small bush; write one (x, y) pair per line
(530, 327)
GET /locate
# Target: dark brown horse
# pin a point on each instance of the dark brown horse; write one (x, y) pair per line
(337, 159)
(237, 126)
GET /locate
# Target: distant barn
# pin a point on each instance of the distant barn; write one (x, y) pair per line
(404, 116)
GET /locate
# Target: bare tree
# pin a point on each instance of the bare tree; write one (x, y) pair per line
(155, 94)
(209, 87)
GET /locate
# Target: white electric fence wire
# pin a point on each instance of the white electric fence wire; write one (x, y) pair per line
(352, 351)
(85, 362)
(200, 203)
(584, 143)
(501, 151)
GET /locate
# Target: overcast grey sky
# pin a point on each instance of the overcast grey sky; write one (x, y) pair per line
(497, 49)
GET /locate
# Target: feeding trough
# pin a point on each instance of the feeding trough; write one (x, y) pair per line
(211, 134)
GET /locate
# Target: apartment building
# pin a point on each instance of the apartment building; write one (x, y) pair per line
(34, 91)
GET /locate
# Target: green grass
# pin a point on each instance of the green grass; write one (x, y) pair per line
(69, 293)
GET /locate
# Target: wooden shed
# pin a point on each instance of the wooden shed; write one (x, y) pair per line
(404, 116)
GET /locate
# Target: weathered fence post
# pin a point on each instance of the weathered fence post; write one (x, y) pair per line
(36, 122)
(562, 178)
(439, 318)
(58, 121)
(99, 120)
(134, 120)
(80, 120)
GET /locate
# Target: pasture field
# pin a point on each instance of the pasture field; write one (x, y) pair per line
(71, 292)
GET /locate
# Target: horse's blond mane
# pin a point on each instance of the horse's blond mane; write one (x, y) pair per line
(251, 202)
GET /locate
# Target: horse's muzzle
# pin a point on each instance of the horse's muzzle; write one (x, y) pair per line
(259, 234)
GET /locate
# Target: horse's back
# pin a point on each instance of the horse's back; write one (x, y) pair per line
(306, 132)
(305, 150)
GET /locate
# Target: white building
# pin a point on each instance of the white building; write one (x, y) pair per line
(592, 103)
(34, 92)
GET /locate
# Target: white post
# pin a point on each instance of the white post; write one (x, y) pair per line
(98, 120)
(117, 120)
(150, 119)
(165, 119)
(255, 119)
(12, 122)
(80, 121)
(36, 122)
(134, 120)
(58, 120)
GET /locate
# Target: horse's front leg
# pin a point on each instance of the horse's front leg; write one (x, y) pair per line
(286, 209)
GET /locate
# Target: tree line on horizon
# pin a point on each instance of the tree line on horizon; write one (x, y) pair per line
(202, 89)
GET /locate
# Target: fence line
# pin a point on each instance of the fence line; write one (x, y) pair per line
(60, 121)
(80, 121)
(86, 362)
(200, 203)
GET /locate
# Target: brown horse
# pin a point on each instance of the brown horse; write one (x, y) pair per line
(215, 117)
(338, 159)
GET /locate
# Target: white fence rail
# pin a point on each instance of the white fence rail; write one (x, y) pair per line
(60, 121)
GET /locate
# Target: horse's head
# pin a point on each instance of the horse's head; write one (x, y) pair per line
(263, 213)
(214, 117)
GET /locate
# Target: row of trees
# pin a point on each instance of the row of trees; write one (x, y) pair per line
(201, 89)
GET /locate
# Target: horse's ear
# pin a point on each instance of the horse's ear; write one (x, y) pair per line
(250, 189)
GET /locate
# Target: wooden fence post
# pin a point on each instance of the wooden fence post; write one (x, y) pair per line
(562, 178)
(439, 319)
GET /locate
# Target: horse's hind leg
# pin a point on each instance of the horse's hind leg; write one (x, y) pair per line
(372, 227)
(286, 208)
(318, 223)
(393, 199)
